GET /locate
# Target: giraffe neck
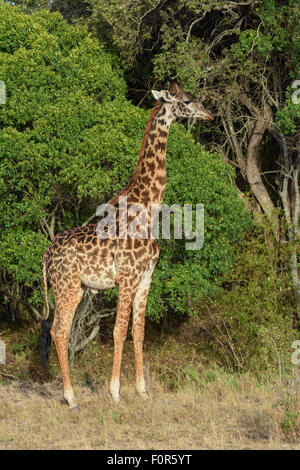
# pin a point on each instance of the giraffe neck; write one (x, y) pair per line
(148, 183)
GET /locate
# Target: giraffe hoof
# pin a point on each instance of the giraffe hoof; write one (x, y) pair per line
(74, 408)
(116, 399)
(115, 391)
(144, 395)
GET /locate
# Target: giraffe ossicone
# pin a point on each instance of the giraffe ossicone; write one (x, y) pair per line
(79, 258)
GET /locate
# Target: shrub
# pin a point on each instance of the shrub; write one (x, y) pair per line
(250, 324)
(70, 140)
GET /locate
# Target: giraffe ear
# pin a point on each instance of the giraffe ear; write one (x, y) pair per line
(174, 87)
(163, 96)
(158, 95)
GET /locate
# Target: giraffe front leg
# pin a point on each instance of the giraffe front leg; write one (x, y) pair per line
(138, 327)
(120, 332)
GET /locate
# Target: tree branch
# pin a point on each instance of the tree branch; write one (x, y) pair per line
(232, 135)
(31, 309)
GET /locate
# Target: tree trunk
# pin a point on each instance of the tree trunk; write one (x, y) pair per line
(253, 168)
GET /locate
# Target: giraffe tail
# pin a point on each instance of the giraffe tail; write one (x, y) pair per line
(45, 337)
(45, 287)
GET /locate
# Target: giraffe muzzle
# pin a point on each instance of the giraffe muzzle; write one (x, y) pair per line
(207, 115)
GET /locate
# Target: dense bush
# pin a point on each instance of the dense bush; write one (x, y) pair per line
(70, 140)
(250, 325)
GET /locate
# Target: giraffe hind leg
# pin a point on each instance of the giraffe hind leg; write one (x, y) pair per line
(66, 306)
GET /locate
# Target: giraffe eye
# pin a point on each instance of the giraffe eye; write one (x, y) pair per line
(187, 102)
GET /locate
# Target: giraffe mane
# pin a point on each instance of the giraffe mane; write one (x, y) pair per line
(141, 154)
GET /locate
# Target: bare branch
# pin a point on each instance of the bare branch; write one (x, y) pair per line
(286, 176)
(237, 149)
(88, 220)
(297, 200)
(31, 309)
(193, 24)
(48, 228)
(87, 340)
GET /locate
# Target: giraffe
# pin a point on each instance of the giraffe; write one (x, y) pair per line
(81, 258)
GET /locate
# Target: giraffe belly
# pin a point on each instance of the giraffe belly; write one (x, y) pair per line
(100, 277)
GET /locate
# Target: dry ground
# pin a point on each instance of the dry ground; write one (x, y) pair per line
(218, 416)
(192, 404)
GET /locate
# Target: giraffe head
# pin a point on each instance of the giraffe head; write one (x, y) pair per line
(182, 103)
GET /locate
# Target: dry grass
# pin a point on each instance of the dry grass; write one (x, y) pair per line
(192, 403)
(217, 415)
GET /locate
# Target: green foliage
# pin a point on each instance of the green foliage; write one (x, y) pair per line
(288, 118)
(185, 52)
(269, 33)
(70, 141)
(249, 324)
(119, 23)
(290, 421)
(26, 346)
(180, 37)
(21, 253)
